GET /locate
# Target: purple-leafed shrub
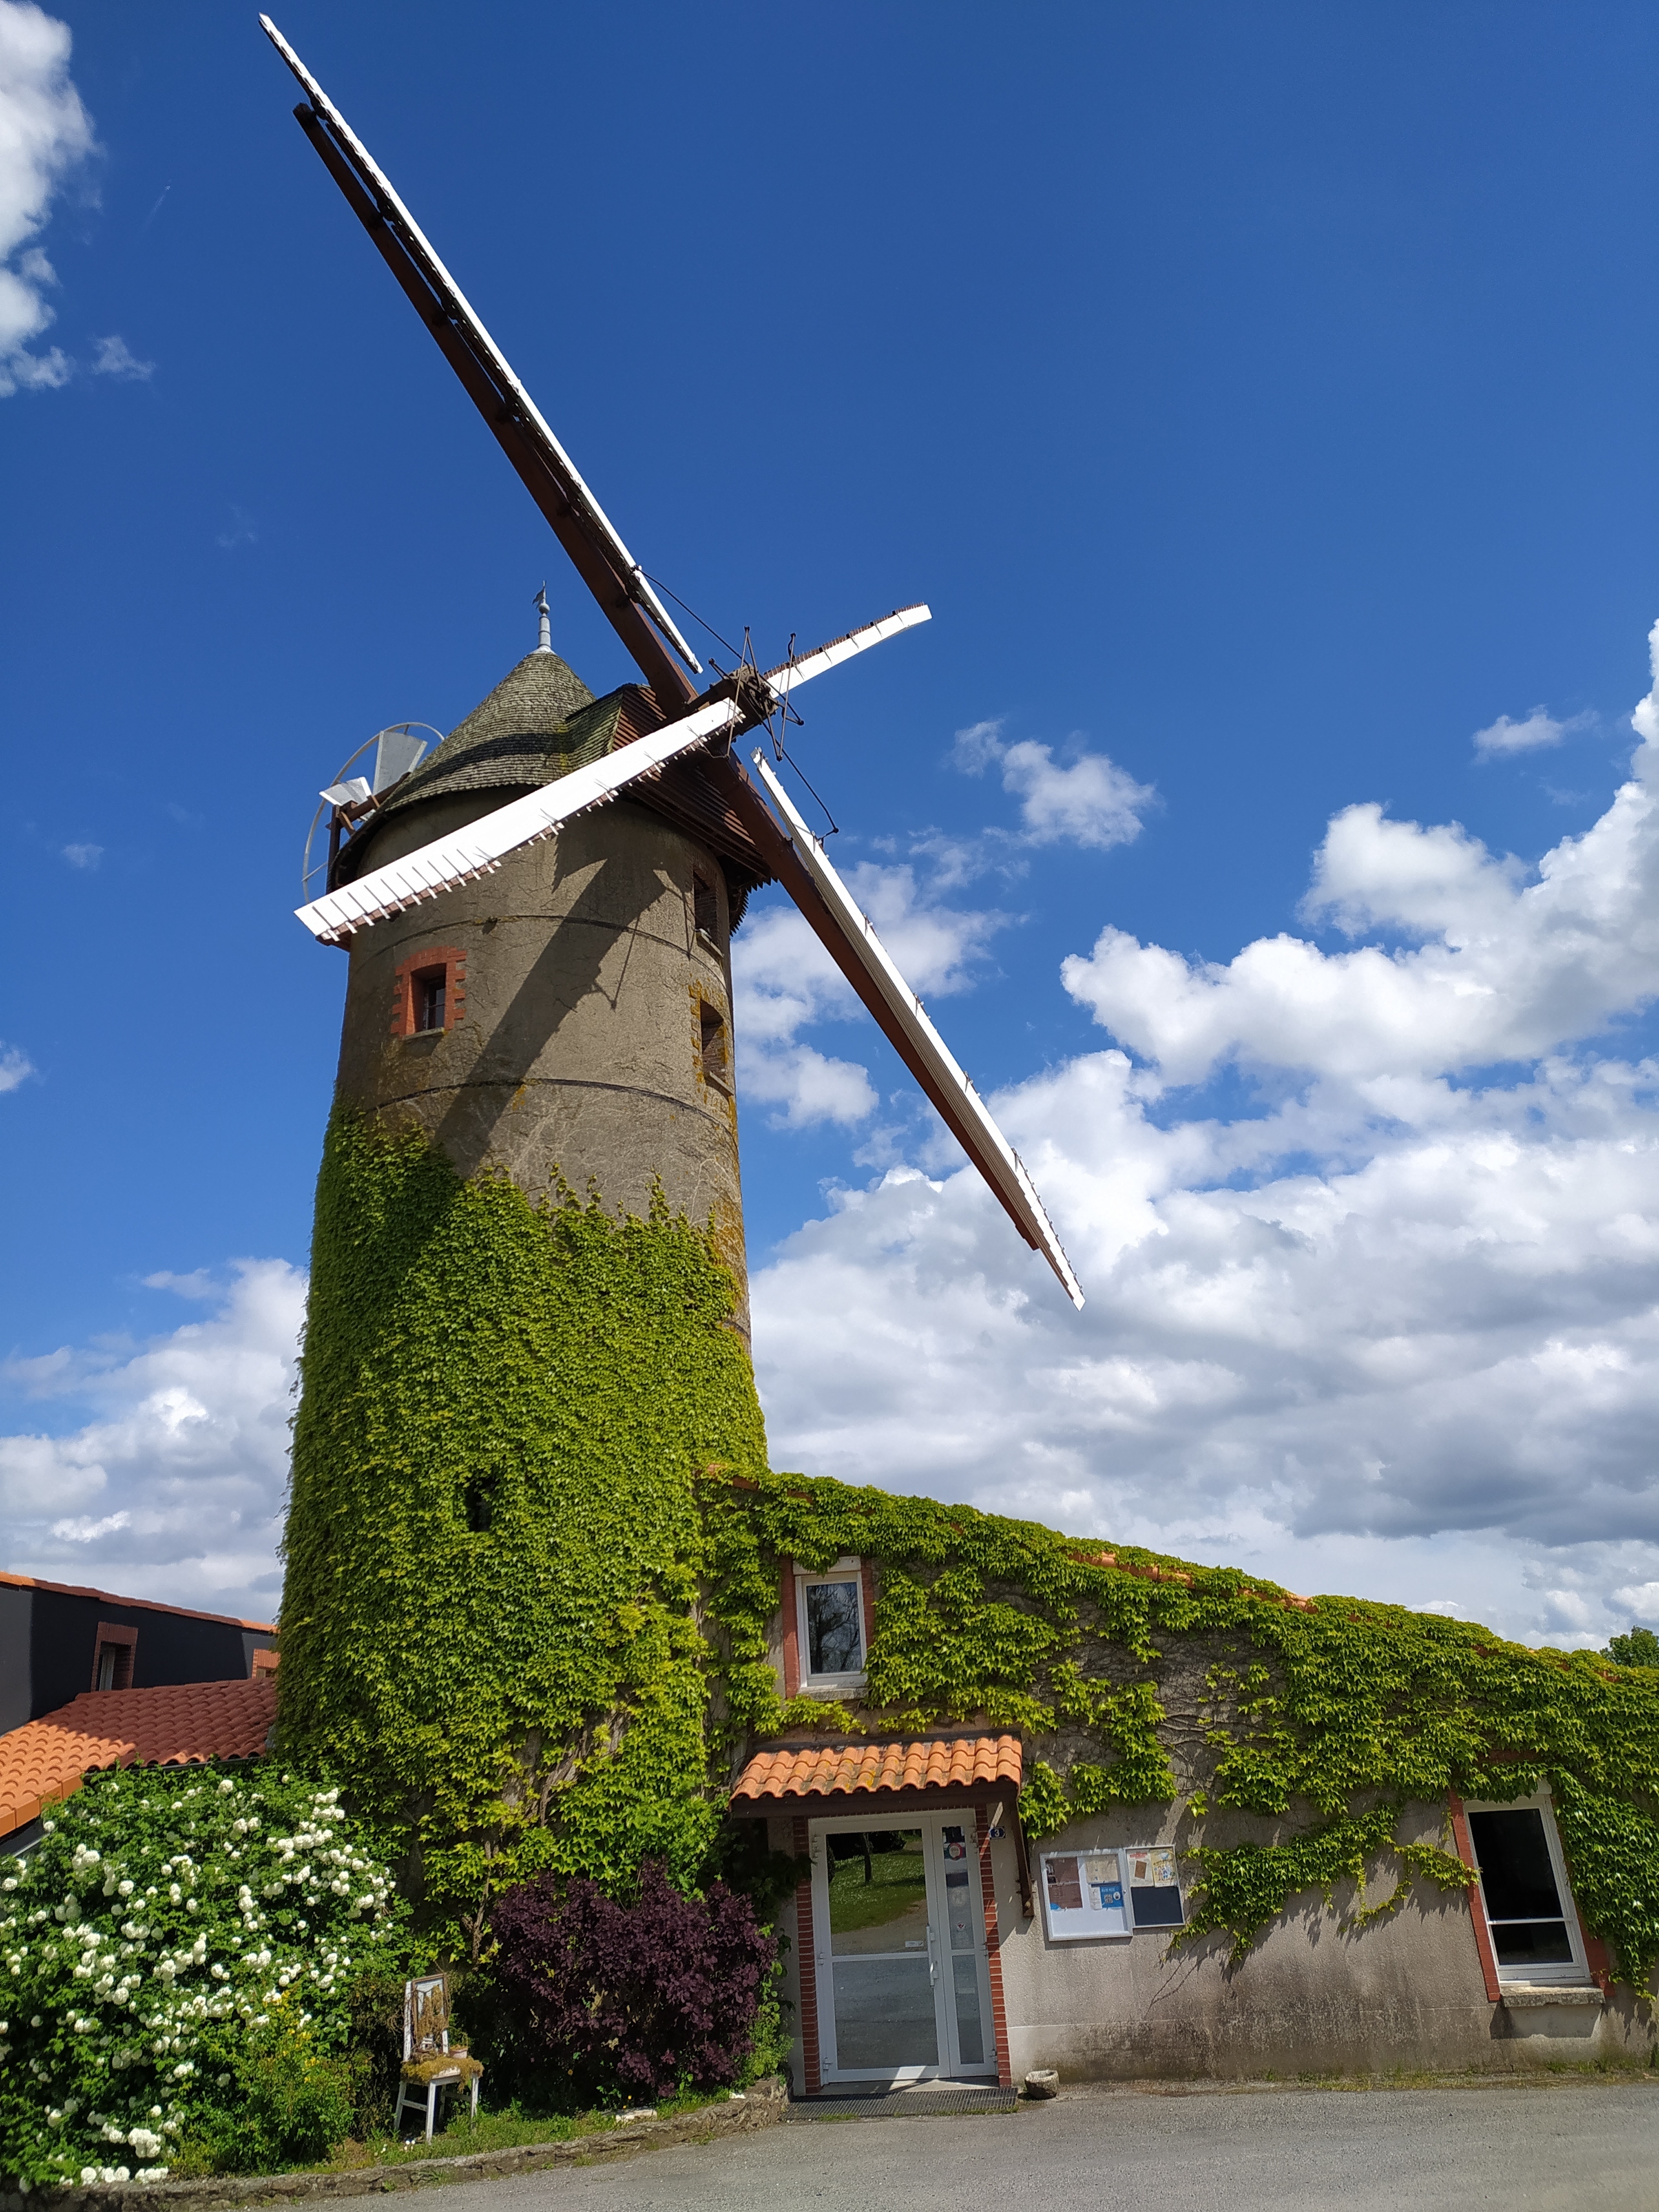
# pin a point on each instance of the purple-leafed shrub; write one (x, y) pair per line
(631, 2000)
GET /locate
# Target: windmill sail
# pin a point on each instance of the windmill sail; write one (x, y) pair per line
(866, 962)
(480, 849)
(552, 478)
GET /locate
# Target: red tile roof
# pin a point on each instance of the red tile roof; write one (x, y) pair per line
(859, 1769)
(172, 1726)
(144, 1604)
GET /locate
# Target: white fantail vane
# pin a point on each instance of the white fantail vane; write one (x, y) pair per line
(695, 733)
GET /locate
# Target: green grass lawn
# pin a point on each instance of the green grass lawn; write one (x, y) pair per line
(898, 1881)
(494, 2131)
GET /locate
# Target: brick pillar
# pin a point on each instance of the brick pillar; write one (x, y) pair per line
(987, 1890)
(807, 1967)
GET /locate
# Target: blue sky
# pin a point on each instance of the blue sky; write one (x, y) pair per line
(1261, 398)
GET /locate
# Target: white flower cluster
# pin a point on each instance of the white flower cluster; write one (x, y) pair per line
(164, 1920)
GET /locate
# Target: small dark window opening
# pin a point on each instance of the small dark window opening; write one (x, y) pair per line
(712, 1041)
(481, 1503)
(706, 908)
(114, 1666)
(431, 994)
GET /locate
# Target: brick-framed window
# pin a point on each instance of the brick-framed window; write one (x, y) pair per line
(714, 1042)
(113, 1652)
(428, 993)
(264, 1663)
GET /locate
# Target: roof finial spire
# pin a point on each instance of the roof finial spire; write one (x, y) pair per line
(545, 645)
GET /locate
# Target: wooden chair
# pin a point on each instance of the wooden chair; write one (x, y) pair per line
(429, 2064)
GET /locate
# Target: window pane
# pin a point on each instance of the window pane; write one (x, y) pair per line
(889, 1911)
(834, 1641)
(884, 2012)
(970, 2036)
(1516, 1878)
(1531, 1942)
(958, 1890)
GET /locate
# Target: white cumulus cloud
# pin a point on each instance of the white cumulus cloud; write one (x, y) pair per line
(172, 1488)
(1537, 729)
(1394, 1334)
(784, 981)
(1091, 802)
(115, 358)
(1510, 964)
(16, 1067)
(44, 135)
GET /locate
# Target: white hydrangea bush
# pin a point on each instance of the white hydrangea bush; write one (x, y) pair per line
(164, 1916)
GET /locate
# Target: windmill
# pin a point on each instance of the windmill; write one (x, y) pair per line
(574, 985)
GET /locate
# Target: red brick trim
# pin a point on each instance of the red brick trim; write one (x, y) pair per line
(453, 960)
(807, 1970)
(791, 1633)
(987, 1890)
(867, 1581)
(125, 1640)
(265, 1662)
(1459, 1820)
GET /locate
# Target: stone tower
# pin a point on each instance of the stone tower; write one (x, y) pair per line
(526, 1340)
(569, 1016)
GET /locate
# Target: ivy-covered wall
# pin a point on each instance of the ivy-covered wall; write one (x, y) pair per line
(1138, 1679)
(489, 1625)
(534, 1557)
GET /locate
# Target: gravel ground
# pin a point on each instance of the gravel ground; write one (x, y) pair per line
(1555, 2149)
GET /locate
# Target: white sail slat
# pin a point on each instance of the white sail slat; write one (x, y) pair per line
(964, 1110)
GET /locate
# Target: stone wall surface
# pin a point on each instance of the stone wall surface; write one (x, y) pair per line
(579, 1049)
(1313, 1996)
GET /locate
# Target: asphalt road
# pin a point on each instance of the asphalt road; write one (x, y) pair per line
(1563, 2149)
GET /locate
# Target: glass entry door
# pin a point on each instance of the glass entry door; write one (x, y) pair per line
(899, 1941)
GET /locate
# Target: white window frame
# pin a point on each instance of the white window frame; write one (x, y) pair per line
(1571, 1972)
(844, 1570)
(951, 2065)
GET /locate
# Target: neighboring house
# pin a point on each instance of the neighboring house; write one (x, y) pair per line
(57, 1640)
(179, 1724)
(89, 1679)
(934, 1939)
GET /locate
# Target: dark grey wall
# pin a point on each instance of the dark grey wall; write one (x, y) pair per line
(48, 1641)
(16, 1679)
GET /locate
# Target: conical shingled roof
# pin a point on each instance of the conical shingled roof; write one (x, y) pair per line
(540, 722)
(521, 736)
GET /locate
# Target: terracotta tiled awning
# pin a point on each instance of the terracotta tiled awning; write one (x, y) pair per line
(171, 1726)
(852, 1769)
